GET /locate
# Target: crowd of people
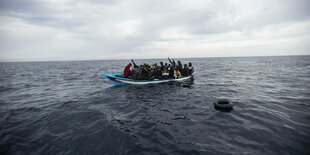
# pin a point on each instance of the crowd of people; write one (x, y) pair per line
(162, 71)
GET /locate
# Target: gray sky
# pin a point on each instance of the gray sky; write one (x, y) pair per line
(120, 29)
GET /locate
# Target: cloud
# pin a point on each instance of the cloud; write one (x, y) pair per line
(94, 29)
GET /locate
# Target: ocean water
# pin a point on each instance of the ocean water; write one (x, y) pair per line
(68, 108)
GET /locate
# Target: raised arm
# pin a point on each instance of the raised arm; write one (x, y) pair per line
(134, 64)
(169, 60)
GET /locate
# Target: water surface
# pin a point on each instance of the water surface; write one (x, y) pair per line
(68, 108)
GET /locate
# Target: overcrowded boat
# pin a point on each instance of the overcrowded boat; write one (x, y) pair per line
(152, 74)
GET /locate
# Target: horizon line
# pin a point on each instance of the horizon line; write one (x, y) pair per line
(152, 58)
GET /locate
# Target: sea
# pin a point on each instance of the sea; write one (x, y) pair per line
(67, 107)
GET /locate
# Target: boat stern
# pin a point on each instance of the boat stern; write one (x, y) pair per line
(112, 79)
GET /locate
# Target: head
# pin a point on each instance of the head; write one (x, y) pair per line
(185, 65)
(190, 64)
(161, 63)
(130, 64)
(179, 62)
(166, 64)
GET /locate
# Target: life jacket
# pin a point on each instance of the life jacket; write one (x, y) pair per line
(177, 74)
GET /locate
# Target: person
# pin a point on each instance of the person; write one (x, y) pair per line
(161, 63)
(149, 70)
(127, 70)
(177, 73)
(157, 72)
(179, 66)
(162, 71)
(190, 68)
(162, 66)
(185, 71)
(147, 73)
(139, 73)
(171, 62)
(171, 70)
(165, 73)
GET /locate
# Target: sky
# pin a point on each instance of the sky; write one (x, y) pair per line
(49, 30)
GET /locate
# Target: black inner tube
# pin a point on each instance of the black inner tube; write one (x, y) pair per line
(223, 103)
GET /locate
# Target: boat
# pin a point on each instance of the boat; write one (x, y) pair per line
(118, 79)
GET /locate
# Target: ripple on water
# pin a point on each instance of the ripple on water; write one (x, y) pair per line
(68, 108)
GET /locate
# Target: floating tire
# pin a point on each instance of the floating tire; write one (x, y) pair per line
(223, 104)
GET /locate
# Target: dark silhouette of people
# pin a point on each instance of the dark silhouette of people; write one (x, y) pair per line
(164, 71)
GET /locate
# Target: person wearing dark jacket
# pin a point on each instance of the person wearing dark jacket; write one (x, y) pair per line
(157, 72)
(180, 66)
(185, 71)
(170, 70)
(146, 72)
(190, 68)
(139, 74)
(165, 73)
(163, 69)
(162, 66)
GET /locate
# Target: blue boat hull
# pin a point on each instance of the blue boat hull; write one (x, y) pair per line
(118, 81)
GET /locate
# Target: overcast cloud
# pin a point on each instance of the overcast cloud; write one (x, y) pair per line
(106, 29)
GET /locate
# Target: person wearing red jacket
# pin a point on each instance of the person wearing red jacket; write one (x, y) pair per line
(127, 70)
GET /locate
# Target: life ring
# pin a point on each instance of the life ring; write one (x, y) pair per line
(223, 104)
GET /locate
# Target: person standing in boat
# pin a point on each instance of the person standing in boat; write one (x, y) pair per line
(127, 72)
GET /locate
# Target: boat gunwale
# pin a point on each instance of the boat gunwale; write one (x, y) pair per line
(128, 79)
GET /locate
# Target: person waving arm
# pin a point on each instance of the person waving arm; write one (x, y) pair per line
(134, 64)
